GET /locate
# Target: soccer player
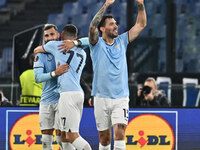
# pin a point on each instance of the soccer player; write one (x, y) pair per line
(71, 94)
(110, 82)
(45, 71)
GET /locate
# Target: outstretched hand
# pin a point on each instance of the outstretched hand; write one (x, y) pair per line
(66, 46)
(61, 69)
(109, 2)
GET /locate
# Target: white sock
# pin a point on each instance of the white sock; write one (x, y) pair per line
(58, 140)
(101, 147)
(47, 142)
(80, 144)
(119, 145)
(67, 146)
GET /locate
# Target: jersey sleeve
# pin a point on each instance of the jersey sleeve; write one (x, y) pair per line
(124, 38)
(40, 76)
(37, 61)
(92, 47)
(50, 47)
(38, 68)
(84, 41)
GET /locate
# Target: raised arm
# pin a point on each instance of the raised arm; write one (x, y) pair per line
(140, 22)
(93, 33)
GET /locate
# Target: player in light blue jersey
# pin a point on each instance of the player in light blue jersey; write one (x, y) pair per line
(71, 94)
(45, 71)
(110, 82)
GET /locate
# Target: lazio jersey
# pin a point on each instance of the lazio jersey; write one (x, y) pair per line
(110, 68)
(50, 93)
(76, 57)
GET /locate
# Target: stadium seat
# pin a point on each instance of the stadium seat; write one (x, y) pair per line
(164, 83)
(93, 10)
(6, 61)
(84, 30)
(80, 20)
(72, 8)
(85, 2)
(51, 18)
(3, 3)
(191, 94)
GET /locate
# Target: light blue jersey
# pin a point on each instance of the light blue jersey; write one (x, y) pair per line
(110, 68)
(43, 65)
(76, 57)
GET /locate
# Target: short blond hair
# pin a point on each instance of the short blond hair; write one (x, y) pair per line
(151, 79)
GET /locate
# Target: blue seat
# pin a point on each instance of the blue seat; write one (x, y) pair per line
(84, 30)
(72, 9)
(6, 61)
(191, 94)
(3, 3)
(164, 83)
(51, 18)
(86, 2)
(80, 20)
(93, 10)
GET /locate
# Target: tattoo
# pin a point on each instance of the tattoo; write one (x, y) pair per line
(121, 126)
(140, 7)
(93, 36)
(97, 18)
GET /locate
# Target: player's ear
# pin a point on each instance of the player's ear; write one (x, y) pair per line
(58, 35)
(102, 29)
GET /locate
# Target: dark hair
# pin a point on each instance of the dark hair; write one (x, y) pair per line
(70, 30)
(103, 20)
(49, 26)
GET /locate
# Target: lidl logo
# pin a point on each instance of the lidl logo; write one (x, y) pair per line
(26, 135)
(149, 132)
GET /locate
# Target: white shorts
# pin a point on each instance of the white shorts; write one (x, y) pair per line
(48, 116)
(110, 111)
(70, 110)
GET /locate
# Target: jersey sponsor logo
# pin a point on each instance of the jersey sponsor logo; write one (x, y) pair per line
(149, 132)
(26, 135)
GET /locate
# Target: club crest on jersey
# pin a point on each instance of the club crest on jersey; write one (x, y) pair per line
(36, 58)
(117, 46)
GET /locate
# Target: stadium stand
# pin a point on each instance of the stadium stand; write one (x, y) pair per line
(188, 21)
(81, 13)
(18, 15)
(21, 15)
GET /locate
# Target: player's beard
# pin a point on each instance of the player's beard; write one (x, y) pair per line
(112, 34)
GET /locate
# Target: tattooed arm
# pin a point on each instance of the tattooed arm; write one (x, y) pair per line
(140, 22)
(93, 33)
